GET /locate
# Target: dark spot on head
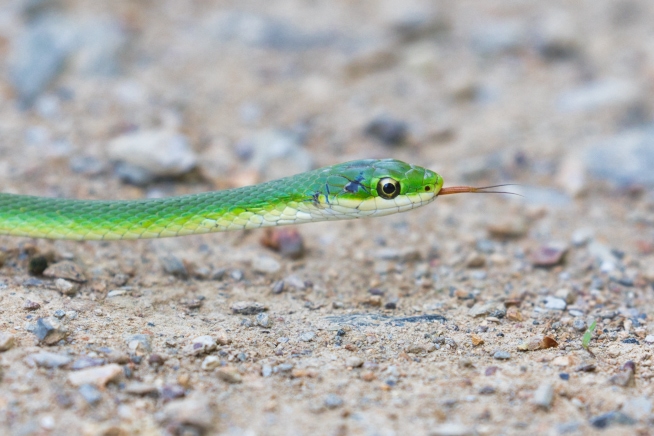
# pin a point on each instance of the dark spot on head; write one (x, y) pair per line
(427, 188)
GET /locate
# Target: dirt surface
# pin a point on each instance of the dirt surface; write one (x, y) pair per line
(460, 318)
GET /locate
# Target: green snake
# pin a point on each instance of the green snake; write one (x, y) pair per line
(357, 189)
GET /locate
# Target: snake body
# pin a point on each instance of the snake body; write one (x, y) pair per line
(357, 189)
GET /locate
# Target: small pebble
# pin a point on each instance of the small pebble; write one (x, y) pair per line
(30, 305)
(286, 241)
(548, 256)
(237, 275)
(229, 375)
(65, 270)
(87, 362)
(140, 388)
(210, 363)
(45, 359)
(201, 345)
(263, 320)
(139, 344)
(332, 401)
(266, 370)
(278, 287)
(172, 392)
(248, 308)
(475, 260)
(354, 362)
(307, 336)
(50, 330)
(580, 325)
(174, 266)
(59, 314)
(265, 265)
(543, 396)
(7, 341)
(66, 287)
(553, 303)
(649, 339)
(195, 412)
(90, 393)
(502, 355)
(98, 376)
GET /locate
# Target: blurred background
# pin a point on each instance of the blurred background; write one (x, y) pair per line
(553, 94)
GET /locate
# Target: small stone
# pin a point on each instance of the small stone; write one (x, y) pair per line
(210, 363)
(201, 345)
(481, 309)
(265, 265)
(156, 360)
(510, 227)
(139, 344)
(354, 362)
(475, 260)
(140, 388)
(266, 370)
(562, 361)
(7, 341)
(65, 270)
(501, 355)
(98, 376)
(605, 420)
(543, 396)
(550, 255)
(229, 375)
(637, 407)
(406, 254)
(514, 314)
(286, 241)
(155, 153)
(248, 308)
(90, 393)
(66, 287)
(307, 336)
(50, 330)
(194, 412)
(30, 305)
(87, 362)
(172, 392)
(332, 401)
(263, 320)
(553, 303)
(415, 349)
(387, 130)
(278, 287)
(581, 237)
(476, 340)
(581, 326)
(174, 266)
(45, 359)
(649, 339)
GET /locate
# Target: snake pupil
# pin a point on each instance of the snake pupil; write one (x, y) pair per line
(388, 188)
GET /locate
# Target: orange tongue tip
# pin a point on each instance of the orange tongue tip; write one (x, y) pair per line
(471, 189)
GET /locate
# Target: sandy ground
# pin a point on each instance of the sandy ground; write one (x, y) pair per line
(461, 318)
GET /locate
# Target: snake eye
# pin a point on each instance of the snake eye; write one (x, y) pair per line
(388, 188)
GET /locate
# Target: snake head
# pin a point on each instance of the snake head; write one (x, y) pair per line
(379, 187)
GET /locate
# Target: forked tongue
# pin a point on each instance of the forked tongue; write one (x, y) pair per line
(471, 189)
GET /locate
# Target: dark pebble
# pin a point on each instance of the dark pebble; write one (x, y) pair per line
(278, 287)
(37, 265)
(391, 305)
(174, 266)
(30, 305)
(491, 370)
(564, 376)
(607, 419)
(487, 390)
(155, 360)
(631, 341)
(171, 392)
(387, 130)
